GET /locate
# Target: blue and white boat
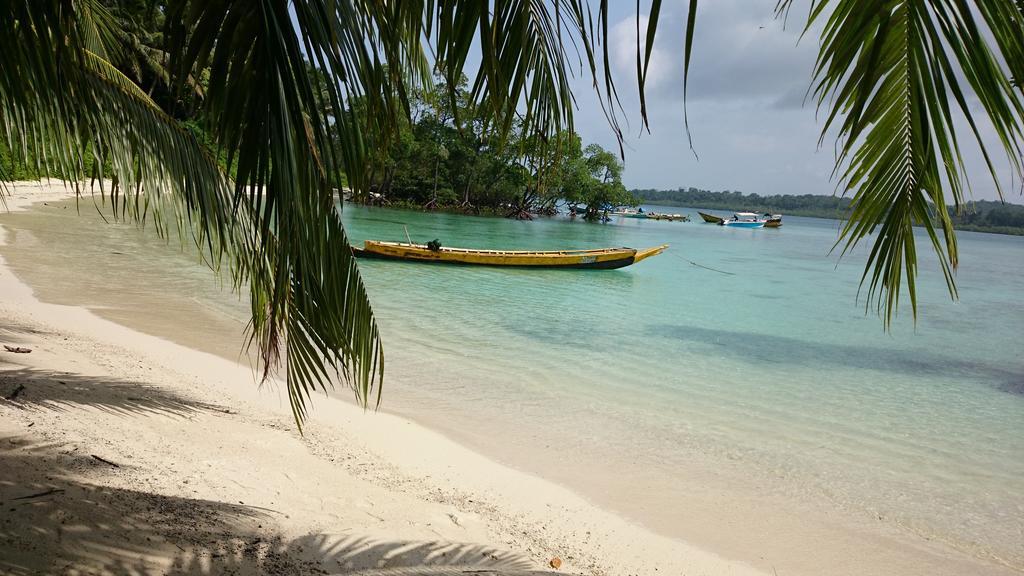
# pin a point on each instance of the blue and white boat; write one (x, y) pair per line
(744, 220)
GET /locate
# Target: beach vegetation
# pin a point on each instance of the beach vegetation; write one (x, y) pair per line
(448, 155)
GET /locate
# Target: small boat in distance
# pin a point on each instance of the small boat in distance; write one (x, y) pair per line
(741, 219)
(600, 258)
(630, 213)
(710, 218)
(639, 213)
(744, 220)
(669, 217)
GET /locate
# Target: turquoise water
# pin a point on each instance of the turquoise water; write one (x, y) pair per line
(772, 363)
(695, 401)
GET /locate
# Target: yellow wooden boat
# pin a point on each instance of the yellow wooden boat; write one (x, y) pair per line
(601, 258)
(710, 218)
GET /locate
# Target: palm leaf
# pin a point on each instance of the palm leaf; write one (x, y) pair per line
(263, 110)
(530, 50)
(288, 141)
(291, 254)
(890, 74)
(898, 140)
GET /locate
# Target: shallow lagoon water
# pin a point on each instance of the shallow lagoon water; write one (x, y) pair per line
(760, 386)
(772, 364)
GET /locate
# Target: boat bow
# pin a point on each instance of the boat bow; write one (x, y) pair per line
(648, 252)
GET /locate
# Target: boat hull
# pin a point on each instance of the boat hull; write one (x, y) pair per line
(740, 224)
(711, 219)
(602, 259)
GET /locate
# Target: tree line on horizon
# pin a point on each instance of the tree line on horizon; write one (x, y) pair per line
(977, 216)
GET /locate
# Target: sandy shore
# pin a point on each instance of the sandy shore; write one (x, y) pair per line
(124, 453)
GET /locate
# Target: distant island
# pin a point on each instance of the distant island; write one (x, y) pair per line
(978, 216)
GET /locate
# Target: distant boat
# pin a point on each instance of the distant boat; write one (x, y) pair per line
(711, 219)
(601, 258)
(772, 220)
(628, 213)
(669, 217)
(744, 220)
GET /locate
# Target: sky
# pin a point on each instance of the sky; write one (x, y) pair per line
(750, 126)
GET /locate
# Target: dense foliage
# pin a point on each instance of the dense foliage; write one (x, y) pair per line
(994, 217)
(980, 216)
(447, 155)
(135, 36)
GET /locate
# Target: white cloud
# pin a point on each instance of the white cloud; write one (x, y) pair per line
(740, 52)
(623, 48)
(750, 125)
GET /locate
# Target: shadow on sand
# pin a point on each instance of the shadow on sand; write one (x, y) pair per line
(30, 388)
(56, 517)
(54, 521)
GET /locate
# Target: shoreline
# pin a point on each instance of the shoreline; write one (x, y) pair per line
(702, 506)
(458, 211)
(842, 215)
(185, 463)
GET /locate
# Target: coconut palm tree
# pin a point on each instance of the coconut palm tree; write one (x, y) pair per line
(266, 216)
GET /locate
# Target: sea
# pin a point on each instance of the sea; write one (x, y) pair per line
(737, 391)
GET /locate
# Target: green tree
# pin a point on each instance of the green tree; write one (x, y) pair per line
(605, 188)
(591, 179)
(451, 155)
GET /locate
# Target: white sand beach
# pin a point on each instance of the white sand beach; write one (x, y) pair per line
(124, 453)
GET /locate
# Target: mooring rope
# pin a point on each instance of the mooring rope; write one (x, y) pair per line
(681, 257)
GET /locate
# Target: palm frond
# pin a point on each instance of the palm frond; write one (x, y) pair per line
(78, 117)
(263, 110)
(82, 118)
(107, 71)
(890, 74)
(289, 141)
(530, 50)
